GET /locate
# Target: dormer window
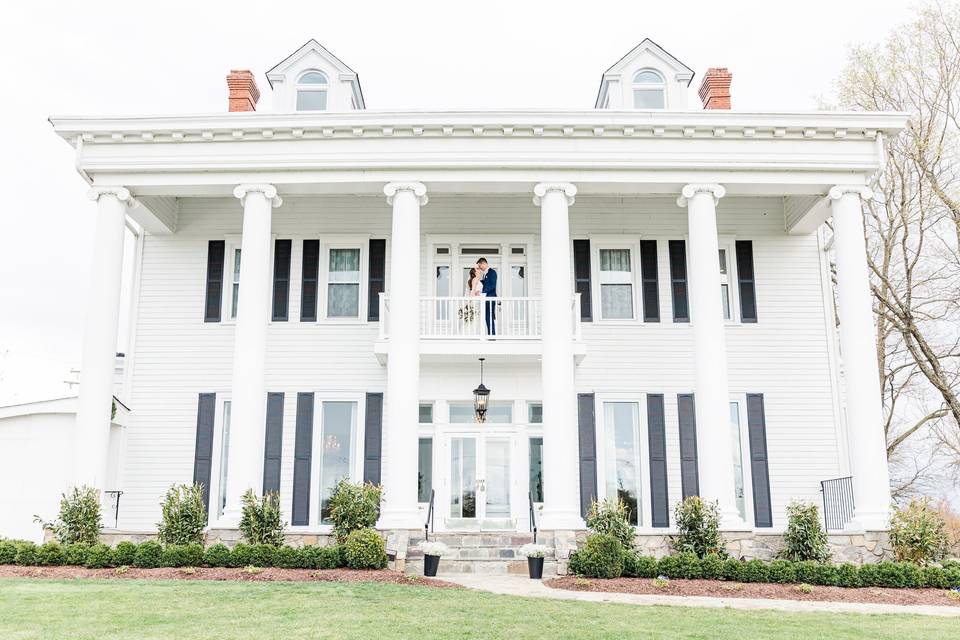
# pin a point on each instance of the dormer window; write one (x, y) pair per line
(312, 91)
(648, 90)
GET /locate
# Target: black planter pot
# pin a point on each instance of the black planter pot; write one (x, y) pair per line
(535, 566)
(430, 565)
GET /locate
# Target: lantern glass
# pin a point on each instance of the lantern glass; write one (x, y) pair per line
(480, 396)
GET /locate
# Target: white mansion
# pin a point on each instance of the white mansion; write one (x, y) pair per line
(664, 322)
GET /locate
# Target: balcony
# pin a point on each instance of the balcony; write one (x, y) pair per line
(451, 328)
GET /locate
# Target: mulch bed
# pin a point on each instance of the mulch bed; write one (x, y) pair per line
(720, 589)
(216, 573)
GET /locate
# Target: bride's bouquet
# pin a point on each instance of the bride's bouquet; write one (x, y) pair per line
(467, 313)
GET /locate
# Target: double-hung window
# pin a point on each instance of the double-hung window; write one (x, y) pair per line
(343, 283)
(616, 284)
(725, 284)
(235, 283)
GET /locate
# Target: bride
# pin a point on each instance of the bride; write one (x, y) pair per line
(474, 283)
(471, 311)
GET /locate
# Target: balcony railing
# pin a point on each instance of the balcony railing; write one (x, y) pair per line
(470, 318)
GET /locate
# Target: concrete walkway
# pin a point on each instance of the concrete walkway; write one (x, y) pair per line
(512, 585)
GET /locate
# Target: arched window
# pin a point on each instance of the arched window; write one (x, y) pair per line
(649, 90)
(312, 91)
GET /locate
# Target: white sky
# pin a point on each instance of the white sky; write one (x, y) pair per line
(115, 58)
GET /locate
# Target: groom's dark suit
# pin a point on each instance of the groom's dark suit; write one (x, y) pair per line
(489, 282)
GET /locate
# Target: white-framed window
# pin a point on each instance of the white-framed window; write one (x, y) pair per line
(312, 91)
(344, 274)
(424, 468)
(616, 276)
(426, 413)
(725, 294)
(739, 445)
(337, 447)
(622, 465)
(649, 90)
(535, 413)
(497, 413)
(234, 281)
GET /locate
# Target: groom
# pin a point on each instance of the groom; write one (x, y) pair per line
(489, 282)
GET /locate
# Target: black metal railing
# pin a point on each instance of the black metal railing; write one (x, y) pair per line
(114, 497)
(533, 517)
(428, 525)
(837, 502)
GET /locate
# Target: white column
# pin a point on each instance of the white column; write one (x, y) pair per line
(561, 508)
(711, 392)
(100, 339)
(249, 392)
(403, 359)
(858, 347)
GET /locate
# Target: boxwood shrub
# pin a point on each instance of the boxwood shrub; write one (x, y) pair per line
(600, 557)
(242, 555)
(99, 556)
(711, 567)
(733, 570)
(755, 571)
(364, 549)
(26, 554)
(217, 556)
(8, 552)
(124, 553)
(50, 554)
(177, 555)
(869, 575)
(286, 557)
(262, 555)
(682, 565)
(149, 555)
(76, 554)
(806, 571)
(332, 557)
(781, 572)
(637, 566)
(848, 575)
(935, 577)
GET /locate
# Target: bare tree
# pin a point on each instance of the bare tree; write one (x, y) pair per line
(913, 232)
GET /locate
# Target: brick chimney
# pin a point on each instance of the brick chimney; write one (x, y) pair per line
(715, 88)
(243, 90)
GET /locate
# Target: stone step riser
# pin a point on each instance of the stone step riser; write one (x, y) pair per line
(484, 567)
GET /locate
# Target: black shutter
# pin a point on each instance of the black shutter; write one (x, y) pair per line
(759, 472)
(215, 251)
(588, 451)
(678, 280)
(203, 449)
(273, 443)
(281, 280)
(308, 289)
(648, 277)
(656, 430)
(745, 277)
(373, 438)
(689, 476)
(302, 453)
(581, 277)
(376, 277)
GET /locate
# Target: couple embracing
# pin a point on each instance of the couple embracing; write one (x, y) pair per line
(483, 283)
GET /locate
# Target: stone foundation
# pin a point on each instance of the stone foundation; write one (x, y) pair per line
(229, 537)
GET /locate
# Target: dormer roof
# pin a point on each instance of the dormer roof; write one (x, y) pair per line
(647, 54)
(313, 55)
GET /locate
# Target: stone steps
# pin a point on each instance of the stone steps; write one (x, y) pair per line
(481, 553)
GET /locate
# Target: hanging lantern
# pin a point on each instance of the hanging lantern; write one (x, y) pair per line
(480, 397)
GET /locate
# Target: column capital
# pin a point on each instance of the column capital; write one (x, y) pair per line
(568, 189)
(690, 190)
(120, 193)
(417, 188)
(841, 190)
(268, 190)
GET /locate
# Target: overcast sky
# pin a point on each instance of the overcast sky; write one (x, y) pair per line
(121, 58)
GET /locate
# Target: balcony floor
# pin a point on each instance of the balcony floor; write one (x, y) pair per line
(459, 350)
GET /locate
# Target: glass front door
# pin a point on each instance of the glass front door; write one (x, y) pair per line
(479, 477)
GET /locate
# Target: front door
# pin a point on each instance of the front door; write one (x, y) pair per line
(479, 496)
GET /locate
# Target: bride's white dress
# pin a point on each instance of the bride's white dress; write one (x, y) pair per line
(473, 309)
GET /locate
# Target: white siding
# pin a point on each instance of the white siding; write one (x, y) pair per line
(177, 355)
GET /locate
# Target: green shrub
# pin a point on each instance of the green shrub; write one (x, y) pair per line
(286, 557)
(612, 517)
(600, 557)
(848, 575)
(8, 552)
(869, 575)
(217, 556)
(806, 571)
(26, 554)
(918, 533)
(332, 557)
(637, 566)
(99, 556)
(148, 555)
(364, 549)
(935, 577)
(79, 519)
(75, 554)
(826, 575)
(952, 574)
(712, 567)
(698, 528)
(260, 521)
(50, 554)
(184, 516)
(892, 574)
(242, 555)
(124, 553)
(805, 538)
(733, 570)
(913, 576)
(781, 572)
(353, 506)
(182, 555)
(682, 565)
(262, 555)
(755, 571)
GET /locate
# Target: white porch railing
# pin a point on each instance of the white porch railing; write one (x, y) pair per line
(467, 318)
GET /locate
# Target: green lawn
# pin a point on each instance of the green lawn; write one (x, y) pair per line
(105, 609)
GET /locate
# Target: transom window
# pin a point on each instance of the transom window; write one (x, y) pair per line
(312, 91)
(497, 413)
(649, 90)
(343, 283)
(616, 284)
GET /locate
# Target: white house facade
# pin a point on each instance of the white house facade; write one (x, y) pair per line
(664, 321)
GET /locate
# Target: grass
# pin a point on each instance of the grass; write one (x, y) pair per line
(108, 609)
